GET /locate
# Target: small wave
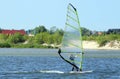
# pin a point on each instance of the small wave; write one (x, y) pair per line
(51, 71)
(16, 72)
(29, 72)
(61, 72)
(43, 71)
(82, 72)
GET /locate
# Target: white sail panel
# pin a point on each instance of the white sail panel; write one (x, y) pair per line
(72, 39)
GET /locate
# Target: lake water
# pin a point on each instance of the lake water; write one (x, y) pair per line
(46, 64)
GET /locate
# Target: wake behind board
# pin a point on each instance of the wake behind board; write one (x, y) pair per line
(82, 72)
(51, 71)
(61, 72)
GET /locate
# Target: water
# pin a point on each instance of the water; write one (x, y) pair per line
(46, 64)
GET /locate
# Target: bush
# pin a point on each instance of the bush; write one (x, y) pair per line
(102, 42)
(16, 38)
(29, 46)
(3, 45)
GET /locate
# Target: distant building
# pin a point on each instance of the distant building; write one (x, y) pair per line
(31, 35)
(12, 32)
(100, 33)
(97, 33)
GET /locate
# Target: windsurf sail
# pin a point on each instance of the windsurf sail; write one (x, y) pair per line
(72, 39)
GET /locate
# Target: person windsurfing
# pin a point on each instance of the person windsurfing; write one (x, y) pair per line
(72, 58)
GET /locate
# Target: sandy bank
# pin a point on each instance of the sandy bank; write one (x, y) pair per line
(114, 45)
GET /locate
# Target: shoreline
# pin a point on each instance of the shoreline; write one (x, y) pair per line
(94, 45)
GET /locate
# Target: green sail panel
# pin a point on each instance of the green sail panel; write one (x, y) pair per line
(72, 39)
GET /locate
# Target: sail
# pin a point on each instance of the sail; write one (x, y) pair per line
(72, 39)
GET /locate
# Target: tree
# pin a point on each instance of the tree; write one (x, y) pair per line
(16, 38)
(3, 38)
(39, 38)
(40, 29)
(47, 38)
(53, 29)
(85, 32)
(0, 30)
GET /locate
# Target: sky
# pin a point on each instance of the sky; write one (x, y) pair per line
(99, 15)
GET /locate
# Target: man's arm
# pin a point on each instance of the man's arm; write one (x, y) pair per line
(59, 52)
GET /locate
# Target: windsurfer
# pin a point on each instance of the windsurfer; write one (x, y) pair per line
(72, 58)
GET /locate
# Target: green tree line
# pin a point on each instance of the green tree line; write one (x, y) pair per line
(41, 36)
(52, 36)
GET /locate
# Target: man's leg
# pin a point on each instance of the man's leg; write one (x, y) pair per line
(80, 69)
(72, 68)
